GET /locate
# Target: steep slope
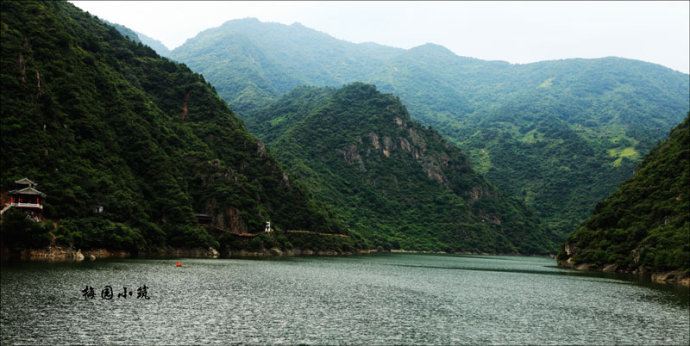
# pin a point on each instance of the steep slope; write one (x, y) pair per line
(560, 135)
(389, 178)
(99, 120)
(156, 45)
(645, 224)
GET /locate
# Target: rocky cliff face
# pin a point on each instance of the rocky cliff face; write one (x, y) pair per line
(561, 135)
(390, 178)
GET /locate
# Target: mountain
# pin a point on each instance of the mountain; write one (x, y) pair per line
(252, 62)
(390, 179)
(99, 120)
(125, 31)
(645, 223)
(156, 45)
(560, 135)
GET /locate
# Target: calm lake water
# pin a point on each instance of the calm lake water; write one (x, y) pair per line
(384, 299)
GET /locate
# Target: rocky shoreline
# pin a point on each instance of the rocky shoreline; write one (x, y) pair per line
(674, 277)
(66, 254)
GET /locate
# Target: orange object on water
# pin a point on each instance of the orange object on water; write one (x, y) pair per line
(178, 264)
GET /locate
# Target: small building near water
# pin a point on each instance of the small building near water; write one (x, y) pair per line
(26, 198)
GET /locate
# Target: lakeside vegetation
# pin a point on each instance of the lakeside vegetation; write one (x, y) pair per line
(646, 222)
(132, 147)
(100, 120)
(541, 132)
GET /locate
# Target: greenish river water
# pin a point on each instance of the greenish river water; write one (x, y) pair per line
(383, 299)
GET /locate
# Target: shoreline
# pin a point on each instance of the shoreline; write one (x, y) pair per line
(57, 254)
(671, 277)
(67, 254)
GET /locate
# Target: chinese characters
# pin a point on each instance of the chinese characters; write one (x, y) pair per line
(107, 293)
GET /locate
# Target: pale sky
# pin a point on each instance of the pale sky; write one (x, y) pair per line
(657, 32)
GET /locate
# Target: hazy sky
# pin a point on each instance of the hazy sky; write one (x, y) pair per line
(516, 32)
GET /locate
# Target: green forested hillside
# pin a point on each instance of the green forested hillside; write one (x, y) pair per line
(560, 135)
(156, 45)
(646, 222)
(390, 179)
(100, 120)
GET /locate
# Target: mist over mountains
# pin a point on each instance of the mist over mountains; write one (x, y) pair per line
(270, 184)
(560, 135)
(385, 147)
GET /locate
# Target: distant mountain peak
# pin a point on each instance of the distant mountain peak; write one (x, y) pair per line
(256, 22)
(432, 48)
(136, 36)
(436, 50)
(592, 110)
(243, 20)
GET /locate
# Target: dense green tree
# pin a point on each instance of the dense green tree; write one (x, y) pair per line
(99, 119)
(390, 179)
(646, 222)
(560, 135)
(156, 45)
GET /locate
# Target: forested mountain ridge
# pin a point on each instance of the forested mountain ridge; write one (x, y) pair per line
(154, 44)
(254, 62)
(645, 223)
(101, 120)
(390, 179)
(560, 135)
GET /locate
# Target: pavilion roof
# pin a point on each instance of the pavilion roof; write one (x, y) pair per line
(25, 181)
(27, 191)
